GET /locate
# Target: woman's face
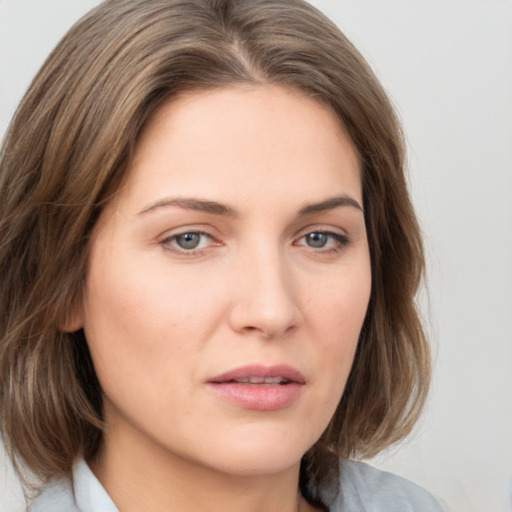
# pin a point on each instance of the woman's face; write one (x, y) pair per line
(228, 282)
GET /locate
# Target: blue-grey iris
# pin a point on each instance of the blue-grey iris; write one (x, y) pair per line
(188, 240)
(316, 240)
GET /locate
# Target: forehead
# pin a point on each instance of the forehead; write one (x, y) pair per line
(206, 142)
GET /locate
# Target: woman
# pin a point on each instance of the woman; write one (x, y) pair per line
(210, 260)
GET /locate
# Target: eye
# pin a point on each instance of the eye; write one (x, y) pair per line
(317, 239)
(326, 240)
(188, 242)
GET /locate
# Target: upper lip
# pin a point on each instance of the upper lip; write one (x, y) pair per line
(285, 371)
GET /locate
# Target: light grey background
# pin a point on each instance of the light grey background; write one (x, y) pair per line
(448, 66)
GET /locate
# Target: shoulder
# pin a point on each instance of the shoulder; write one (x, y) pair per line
(365, 488)
(57, 496)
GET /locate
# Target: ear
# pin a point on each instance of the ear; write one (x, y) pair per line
(72, 320)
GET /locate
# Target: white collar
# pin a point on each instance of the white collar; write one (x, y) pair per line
(89, 494)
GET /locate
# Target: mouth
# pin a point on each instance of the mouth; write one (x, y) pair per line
(272, 381)
(261, 374)
(258, 387)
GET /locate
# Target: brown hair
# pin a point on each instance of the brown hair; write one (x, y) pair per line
(66, 152)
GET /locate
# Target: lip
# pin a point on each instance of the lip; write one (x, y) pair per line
(257, 370)
(259, 396)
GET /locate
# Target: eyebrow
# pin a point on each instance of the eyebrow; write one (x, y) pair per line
(193, 204)
(223, 209)
(330, 204)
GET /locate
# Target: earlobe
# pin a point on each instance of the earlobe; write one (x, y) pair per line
(72, 320)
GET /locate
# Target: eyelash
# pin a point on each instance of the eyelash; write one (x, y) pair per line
(168, 243)
(340, 241)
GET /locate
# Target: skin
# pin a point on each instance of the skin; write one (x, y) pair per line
(162, 320)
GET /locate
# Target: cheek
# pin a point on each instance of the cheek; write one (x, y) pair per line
(340, 305)
(139, 319)
(336, 315)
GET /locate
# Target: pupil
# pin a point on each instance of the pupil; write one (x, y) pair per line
(317, 240)
(188, 240)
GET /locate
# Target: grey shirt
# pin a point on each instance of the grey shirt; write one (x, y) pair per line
(362, 489)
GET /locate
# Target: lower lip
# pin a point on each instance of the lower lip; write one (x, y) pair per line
(259, 397)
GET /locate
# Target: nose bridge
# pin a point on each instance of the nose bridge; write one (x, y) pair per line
(266, 300)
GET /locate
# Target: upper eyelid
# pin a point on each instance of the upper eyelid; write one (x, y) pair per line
(204, 229)
(167, 235)
(321, 228)
(339, 237)
(174, 236)
(216, 234)
(168, 243)
(329, 232)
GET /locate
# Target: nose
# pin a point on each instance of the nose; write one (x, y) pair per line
(265, 296)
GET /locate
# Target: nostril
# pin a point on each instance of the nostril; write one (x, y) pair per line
(269, 333)
(258, 330)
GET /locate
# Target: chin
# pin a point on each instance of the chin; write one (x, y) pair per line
(257, 454)
(263, 464)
